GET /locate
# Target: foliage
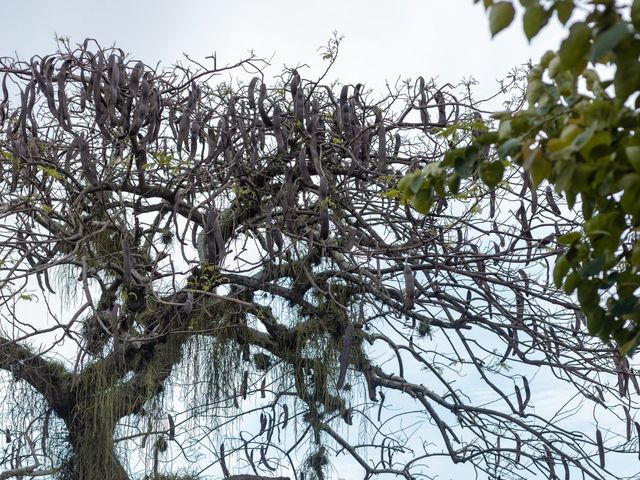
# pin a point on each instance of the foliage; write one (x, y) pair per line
(220, 276)
(579, 133)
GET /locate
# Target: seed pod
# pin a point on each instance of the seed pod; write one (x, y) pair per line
(424, 114)
(245, 385)
(285, 413)
(382, 148)
(324, 223)
(263, 386)
(263, 423)
(172, 428)
(277, 130)
(88, 166)
(263, 459)
(251, 93)
(519, 309)
(396, 146)
(223, 465)
(63, 113)
(519, 399)
(600, 447)
(518, 448)
(527, 392)
(346, 352)
(409, 287)
(304, 171)
(295, 81)
(261, 108)
(442, 112)
(324, 188)
(299, 104)
(214, 242)
(627, 416)
(548, 193)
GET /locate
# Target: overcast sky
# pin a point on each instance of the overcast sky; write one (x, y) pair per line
(447, 39)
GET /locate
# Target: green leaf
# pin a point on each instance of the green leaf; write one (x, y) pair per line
(500, 16)
(508, 147)
(635, 14)
(564, 9)
(464, 166)
(454, 183)
(423, 201)
(569, 238)
(633, 155)
(575, 47)
(627, 77)
(608, 40)
(592, 267)
(595, 319)
(560, 270)
(535, 17)
(491, 173)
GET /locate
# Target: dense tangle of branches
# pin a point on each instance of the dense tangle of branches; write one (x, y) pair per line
(213, 277)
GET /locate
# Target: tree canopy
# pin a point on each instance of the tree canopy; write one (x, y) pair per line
(579, 133)
(201, 276)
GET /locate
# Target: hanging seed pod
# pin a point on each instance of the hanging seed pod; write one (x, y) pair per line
(424, 114)
(324, 223)
(519, 309)
(527, 392)
(442, 112)
(63, 113)
(299, 104)
(344, 356)
(409, 287)
(600, 447)
(285, 415)
(214, 242)
(263, 459)
(251, 93)
(519, 399)
(223, 465)
(323, 191)
(88, 165)
(548, 193)
(627, 416)
(382, 148)
(304, 171)
(245, 385)
(263, 386)
(263, 423)
(396, 145)
(277, 130)
(172, 428)
(134, 80)
(518, 448)
(261, 108)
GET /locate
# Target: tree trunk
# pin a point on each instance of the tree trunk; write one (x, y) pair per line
(94, 454)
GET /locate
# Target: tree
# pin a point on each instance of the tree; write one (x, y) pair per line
(579, 134)
(202, 277)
